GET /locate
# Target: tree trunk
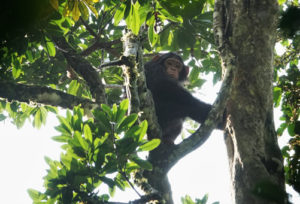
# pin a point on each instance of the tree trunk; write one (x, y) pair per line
(245, 31)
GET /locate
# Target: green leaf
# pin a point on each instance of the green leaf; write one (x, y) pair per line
(66, 159)
(16, 67)
(65, 124)
(36, 195)
(133, 132)
(120, 182)
(142, 163)
(79, 138)
(61, 138)
(83, 10)
(153, 37)
(122, 110)
(107, 110)
(119, 14)
(37, 122)
(108, 181)
(94, 11)
(73, 87)
(2, 117)
(291, 129)
(150, 145)
(135, 19)
(277, 92)
(282, 127)
(285, 151)
(127, 122)
(50, 47)
(88, 133)
(126, 145)
(124, 105)
(102, 120)
(143, 129)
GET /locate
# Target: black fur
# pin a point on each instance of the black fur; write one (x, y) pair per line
(172, 102)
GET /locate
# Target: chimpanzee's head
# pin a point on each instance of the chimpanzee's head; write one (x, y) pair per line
(173, 66)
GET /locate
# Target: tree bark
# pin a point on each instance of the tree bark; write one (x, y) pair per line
(245, 32)
(43, 95)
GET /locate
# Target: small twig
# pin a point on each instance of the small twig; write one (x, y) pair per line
(131, 185)
(112, 63)
(99, 45)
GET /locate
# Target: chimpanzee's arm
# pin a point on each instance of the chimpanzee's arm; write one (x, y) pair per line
(173, 101)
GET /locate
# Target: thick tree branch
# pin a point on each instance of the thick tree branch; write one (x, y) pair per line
(84, 69)
(43, 95)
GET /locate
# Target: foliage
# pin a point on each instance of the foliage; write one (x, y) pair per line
(99, 150)
(188, 200)
(287, 91)
(104, 150)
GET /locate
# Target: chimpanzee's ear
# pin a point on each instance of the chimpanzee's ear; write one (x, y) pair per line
(155, 58)
(187, 70)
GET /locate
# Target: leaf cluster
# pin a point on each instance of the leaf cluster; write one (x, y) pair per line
(287, 91)
(19, 112)
(99, 150)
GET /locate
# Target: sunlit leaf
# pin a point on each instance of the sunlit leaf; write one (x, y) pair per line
(94, 11)
(65, 124)
(61, 138)
(80, 139)
(83, 10)
(88, 133)
(37, 122)
(119, 14)
(73, 87)
(122, 110)
(150, 145)
(36, 195)
(50, 47)
(135, 20)
(143, 129)
(75, 11)
(16, 67)
(152, 36)
(277, 92)
(128, 121)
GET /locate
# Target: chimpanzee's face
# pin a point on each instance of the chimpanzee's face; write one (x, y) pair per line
(173, 67)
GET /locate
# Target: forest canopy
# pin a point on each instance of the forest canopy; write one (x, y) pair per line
(87, 56)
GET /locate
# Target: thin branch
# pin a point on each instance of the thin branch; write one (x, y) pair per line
(44, 95)
(84, 69)
(112, 63)
(100, 45)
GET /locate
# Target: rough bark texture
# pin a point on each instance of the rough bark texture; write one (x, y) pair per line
(44, 95)
(245, 32)
(141, 100)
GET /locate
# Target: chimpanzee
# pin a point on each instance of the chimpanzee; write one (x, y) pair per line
(173, 103)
